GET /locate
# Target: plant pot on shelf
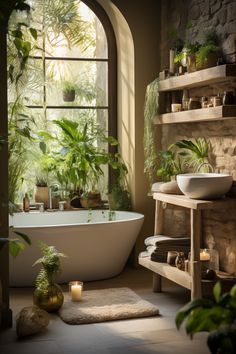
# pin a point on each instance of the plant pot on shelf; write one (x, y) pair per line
(42, 196)
(191, 63)
(68, 96)
(91, 200)
(50, 300)
(210, 61)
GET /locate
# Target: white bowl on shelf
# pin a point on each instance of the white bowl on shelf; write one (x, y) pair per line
(204, 185)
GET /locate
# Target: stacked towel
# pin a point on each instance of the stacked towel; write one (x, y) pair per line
(159, 245)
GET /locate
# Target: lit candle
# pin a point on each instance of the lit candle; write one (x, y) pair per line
(76, 290)
(204, 256)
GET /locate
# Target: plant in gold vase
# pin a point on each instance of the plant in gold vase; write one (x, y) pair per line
(48, 295)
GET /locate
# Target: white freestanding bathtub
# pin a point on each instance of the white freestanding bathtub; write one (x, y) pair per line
(97, 243)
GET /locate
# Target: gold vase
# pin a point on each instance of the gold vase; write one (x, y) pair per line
(51, 300)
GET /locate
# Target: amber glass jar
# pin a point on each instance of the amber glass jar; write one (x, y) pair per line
(194, 103)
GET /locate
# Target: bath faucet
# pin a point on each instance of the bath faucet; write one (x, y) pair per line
(209, 166)
(50, 197)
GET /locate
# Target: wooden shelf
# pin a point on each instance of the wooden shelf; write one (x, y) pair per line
(167, 271)
(183, 278)
(196, 204)
(197, 115)
(199, 78)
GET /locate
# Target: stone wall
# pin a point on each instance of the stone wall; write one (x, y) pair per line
(205, 14)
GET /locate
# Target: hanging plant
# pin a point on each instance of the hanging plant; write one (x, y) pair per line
(150, 110)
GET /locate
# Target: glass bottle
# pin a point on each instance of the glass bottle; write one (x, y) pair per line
(26, 203)
(179, 261)
(228, 98)
(185, 100)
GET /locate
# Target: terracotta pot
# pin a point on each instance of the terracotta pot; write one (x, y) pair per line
(42, 196)
(52, 300)
(68, 96)
(93, 200)
(191, 63)
(210, 61)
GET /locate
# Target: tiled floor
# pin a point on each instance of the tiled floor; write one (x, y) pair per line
(154, 335)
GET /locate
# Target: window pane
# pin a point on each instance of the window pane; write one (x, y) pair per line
(88, 78)
(68, 29)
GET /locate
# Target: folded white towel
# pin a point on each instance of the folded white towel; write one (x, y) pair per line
(144, 254)
(153, 240)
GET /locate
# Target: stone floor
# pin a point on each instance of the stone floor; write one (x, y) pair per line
(154, 335)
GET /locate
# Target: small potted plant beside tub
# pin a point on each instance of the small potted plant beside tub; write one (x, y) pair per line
(48, 295)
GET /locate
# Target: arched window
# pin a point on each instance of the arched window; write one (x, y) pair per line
(70, 72)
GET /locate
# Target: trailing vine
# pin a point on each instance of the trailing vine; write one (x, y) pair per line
(150, 110)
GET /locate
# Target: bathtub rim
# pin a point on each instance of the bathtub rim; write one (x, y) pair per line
(139, 217)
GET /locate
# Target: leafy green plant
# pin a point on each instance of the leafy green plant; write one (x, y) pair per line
(171, 165)
(216, 316)
(195, 154)
(51, 267)
(119, 196)
(15, 245)
(203, 53)
(183, 156)
(68, 86)
(78, 158)
(41, 182)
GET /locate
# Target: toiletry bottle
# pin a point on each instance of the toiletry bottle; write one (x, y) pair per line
(185, 100)
(26, 203)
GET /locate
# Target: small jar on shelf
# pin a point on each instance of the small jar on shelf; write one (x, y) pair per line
(194, 103)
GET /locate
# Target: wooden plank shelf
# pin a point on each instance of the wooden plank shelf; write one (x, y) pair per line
(167, 271)
(197, 115)
(196, 204)
(206, 77)
(183, 278)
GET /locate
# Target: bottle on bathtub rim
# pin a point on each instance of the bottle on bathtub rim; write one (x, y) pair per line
(26, 203)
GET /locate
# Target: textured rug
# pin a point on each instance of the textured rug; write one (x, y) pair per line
(106, 305)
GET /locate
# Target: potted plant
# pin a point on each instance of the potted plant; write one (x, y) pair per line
(48, 295)
(91, 199)
(42, 192)
(181, 157)
(216, 316)
(209, 51)
(68, 91)
(80, 158)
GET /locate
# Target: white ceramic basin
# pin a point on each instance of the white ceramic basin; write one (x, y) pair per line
(204, 185)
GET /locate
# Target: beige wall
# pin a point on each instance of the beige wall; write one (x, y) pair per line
(137, 28)
(221, 15)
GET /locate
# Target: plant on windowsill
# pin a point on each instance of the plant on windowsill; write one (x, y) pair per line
(48, 295)
(216, 316)
(79, 157)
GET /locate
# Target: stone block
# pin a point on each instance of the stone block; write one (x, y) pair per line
(231, 9)
(194, 12)
(215, 7)
(229, 45)
(222, 16)
(230, 27)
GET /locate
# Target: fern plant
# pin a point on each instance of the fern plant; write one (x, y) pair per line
(51, 266)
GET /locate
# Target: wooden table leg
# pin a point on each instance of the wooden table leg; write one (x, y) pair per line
(195, 253)
(156, 283)
(159, 218)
